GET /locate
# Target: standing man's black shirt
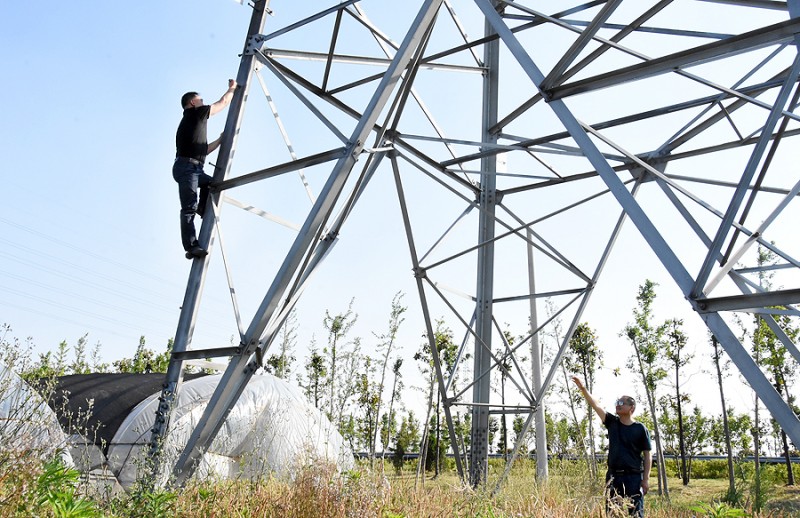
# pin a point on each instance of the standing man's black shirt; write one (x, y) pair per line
(625, 444)
(191, 138)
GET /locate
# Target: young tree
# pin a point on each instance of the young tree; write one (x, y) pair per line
(675, 345)
(409, 435)
(388, 431)
(337, 326)
(559, 435)
(407, 440)
(368, 403)
(386, 343)
(79, 364)
(779, 365)
(516, 425)
(584, 360)
(573, 398)
(98, 365)
(280, 364)
(505, 369)
(741, 428)
(648, 341)
(443, 339)
(47, 367)
(352, 363)
(390, 419)
(668, 426)
(769, 351)
(494, 427)
(145, 360)
(756, 431)
(314, 381)
(695, 434)
(726, 430)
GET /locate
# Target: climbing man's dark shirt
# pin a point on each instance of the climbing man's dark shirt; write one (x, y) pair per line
(191, 138)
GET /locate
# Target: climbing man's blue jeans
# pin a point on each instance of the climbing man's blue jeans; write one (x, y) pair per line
(190, 178)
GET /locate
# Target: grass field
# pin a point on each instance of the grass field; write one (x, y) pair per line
(380, 492)
(569, 492)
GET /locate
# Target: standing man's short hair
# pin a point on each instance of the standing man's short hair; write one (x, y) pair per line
(187, 97)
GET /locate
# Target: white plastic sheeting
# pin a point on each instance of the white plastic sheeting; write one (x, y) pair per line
(27, 423)
(273, 429)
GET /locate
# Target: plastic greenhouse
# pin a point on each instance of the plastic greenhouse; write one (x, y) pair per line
(27, 423)
(272, 430)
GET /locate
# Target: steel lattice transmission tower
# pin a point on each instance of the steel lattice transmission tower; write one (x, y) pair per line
(548, 131)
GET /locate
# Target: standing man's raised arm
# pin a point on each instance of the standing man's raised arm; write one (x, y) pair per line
(597, 408)
(225, 100)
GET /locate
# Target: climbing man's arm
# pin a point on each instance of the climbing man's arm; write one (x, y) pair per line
(225, 100)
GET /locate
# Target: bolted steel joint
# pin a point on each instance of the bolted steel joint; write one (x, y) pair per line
(253, 44)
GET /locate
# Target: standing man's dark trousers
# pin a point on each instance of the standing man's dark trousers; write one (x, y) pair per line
(190, 176)
(624, 493)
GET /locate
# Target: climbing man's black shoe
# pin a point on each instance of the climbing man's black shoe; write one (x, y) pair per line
(196, 251)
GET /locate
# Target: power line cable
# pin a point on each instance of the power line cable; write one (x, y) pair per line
(90, 253)
(65, 275)
(106, 304)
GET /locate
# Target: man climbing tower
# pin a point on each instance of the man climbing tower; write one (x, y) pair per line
(192, 147)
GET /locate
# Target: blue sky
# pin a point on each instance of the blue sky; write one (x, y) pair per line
(89, 237)
(89, 225)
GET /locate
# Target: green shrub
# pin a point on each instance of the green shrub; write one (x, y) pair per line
(710, 469)
(718, 510)
(56, 490)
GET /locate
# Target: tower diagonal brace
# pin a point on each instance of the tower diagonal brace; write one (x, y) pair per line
(242, 368)
(197, 275)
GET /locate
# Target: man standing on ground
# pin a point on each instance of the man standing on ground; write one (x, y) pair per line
(192, 146)
(629, 459)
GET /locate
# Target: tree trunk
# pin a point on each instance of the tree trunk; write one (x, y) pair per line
(503, 425)
(788, 458)
(725, 427)
(663, 488)
(380, 396)
(756, 440)
(333, 383)
(757, 455)
(575, 416)
(681, 440)
(385, 440)
(438, 434)
(592, 448)
(423, 447)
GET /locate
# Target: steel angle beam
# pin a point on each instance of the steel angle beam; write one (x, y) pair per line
(772, 35)
(296, 165)
(579, 44)
(359, 60)
(484, 292)
(749, 301)
(200, 354)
